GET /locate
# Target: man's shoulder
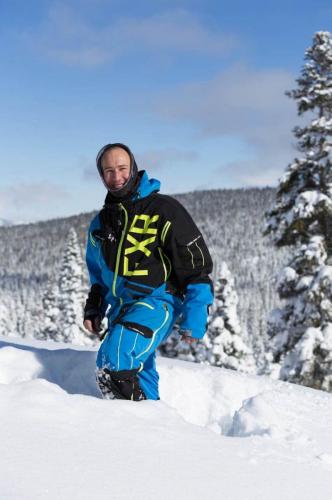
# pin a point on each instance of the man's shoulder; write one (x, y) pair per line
(175, 213)
(95, 222)
(168, 202)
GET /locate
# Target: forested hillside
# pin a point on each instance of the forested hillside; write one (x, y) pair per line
(231, 221)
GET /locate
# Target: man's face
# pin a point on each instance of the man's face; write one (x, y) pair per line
(116, 167)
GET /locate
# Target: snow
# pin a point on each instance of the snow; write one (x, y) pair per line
(286, 276)
(327, 337)
(215, 434)
(323, 122)
(300, 358)
(307, 202)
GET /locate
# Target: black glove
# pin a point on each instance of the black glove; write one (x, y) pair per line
(93, 307)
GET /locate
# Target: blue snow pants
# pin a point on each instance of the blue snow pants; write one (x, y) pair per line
(135, 331)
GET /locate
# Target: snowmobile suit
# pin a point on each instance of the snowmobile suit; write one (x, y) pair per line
(147, 260)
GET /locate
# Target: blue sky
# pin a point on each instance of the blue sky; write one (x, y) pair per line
(195, 88)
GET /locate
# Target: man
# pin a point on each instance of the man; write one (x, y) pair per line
(147, 261)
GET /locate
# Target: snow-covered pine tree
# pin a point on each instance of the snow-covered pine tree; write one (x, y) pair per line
(63, 301)
(224, 343)
(72, 294)
(301, 330)
(50, 327)
(174, 348)
(8, 324)
(4, 319)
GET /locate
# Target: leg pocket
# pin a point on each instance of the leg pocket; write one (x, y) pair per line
(149, 320)
(138, 328)
(142, 317)
(157, 334)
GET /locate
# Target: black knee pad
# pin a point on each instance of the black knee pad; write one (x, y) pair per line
(123, 384)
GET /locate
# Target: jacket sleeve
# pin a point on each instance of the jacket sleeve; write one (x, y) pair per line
(191, 265)
(95, 303)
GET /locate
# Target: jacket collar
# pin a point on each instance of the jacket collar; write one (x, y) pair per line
(143, 188)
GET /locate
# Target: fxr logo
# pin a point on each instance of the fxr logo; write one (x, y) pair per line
(140, 245)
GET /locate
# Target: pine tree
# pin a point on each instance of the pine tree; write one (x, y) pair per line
(63, 301)
(224, 343)
(50, 329)
(301, 330)
(72, 293)
(4, 319)
(173, 347)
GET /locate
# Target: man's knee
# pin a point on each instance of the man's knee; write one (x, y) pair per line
(122, 384)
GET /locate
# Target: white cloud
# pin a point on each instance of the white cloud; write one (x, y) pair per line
(178, 30)
(30, 201)
(72, 39)
(151, 160)
(262, 171)
(239, 102)
(90, 173)
(156, 159)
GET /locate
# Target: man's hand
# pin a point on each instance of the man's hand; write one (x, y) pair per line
(188, 340)
(93, 324)
(88, 325)
(186, 336)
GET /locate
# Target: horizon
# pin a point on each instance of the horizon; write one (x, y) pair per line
(20, 223)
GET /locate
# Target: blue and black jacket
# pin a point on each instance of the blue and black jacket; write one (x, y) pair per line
(149, 245)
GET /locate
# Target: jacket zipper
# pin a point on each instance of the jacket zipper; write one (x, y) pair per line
(118, 254)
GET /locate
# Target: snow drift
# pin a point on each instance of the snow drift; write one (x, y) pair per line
(60, 440)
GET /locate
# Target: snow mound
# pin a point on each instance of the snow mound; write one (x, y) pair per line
(18, 366)
(263, 415)
(256, 417)
(72, 369)
(60, 440)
